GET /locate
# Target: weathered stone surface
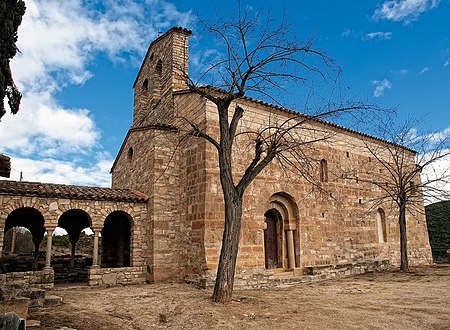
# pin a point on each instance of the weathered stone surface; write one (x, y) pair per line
(18, 306)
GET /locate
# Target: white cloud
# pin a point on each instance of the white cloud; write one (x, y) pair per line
(381, 86)
(436, 179)
(58, 41)
(378, 36)
(346, 33)
(424, 70)
(447, 62)
(404, 10)
(66, 172)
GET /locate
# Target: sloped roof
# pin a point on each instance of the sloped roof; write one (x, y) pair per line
(69, 192)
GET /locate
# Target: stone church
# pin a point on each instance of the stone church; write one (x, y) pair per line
(162, 220)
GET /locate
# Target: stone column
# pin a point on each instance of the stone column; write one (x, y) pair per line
(291, 252)
(48, 252)
(95, 252)
(2, 228)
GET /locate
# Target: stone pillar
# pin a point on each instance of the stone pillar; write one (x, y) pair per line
(95, 252)
(48, 252)
(290, 245)
(2, 229)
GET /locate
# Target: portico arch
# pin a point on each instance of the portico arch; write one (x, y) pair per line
(73, 221)
(31, 219)
(281, 235)
(116, 240)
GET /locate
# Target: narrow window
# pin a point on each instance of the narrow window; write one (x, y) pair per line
(130, 153)
(412, 187)
(381, 226)
(145, 85)
(323, 171)
(347, 154)
(159, 67)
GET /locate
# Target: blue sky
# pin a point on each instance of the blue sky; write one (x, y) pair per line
(79, 59)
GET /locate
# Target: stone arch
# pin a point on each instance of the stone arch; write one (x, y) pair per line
(282, 220)
(381, 226)
(31, 219)
(117, 240)
(73, 221)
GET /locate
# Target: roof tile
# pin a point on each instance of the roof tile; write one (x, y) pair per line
(69, 191)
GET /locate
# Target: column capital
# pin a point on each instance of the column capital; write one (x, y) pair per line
(96, 229)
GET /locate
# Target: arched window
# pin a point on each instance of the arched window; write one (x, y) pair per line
(323, 171)
(130, 153)
(381, 226)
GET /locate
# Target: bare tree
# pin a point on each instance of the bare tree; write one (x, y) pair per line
(411, 169)
(261, 58)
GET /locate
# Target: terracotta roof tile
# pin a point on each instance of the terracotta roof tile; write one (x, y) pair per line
(70, 192)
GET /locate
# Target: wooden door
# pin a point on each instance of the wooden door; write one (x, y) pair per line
(270, 243)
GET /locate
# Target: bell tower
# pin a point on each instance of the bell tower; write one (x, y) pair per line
(162, 72)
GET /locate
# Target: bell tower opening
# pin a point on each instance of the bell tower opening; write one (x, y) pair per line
(163, 72)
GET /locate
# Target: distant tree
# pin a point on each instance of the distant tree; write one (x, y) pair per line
(23, 241)
(11, 12)
(412, 170)
(260, 58)
(438, 223)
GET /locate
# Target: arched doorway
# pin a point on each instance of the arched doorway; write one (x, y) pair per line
(116, 240)
(24, 220)
(281, 235)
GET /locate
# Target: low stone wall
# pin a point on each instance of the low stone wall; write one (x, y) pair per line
(31, 285)
(115, 276)
(248, 279)
(42, 279)
(64, 273)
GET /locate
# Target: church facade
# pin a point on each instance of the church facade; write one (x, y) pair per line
(166, 206)
(287, 229)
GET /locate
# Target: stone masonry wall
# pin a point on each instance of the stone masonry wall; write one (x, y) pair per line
(115, 276)
(335, 229)
(192, 159)
(153, 169)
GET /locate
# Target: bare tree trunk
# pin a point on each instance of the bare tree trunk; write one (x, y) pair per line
(223, 287)
(403, 239)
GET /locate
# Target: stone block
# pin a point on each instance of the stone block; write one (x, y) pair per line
(109, 279)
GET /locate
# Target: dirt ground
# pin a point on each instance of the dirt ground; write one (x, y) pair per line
(391, 300)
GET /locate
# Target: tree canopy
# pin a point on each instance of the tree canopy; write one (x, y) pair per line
(11, 12)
